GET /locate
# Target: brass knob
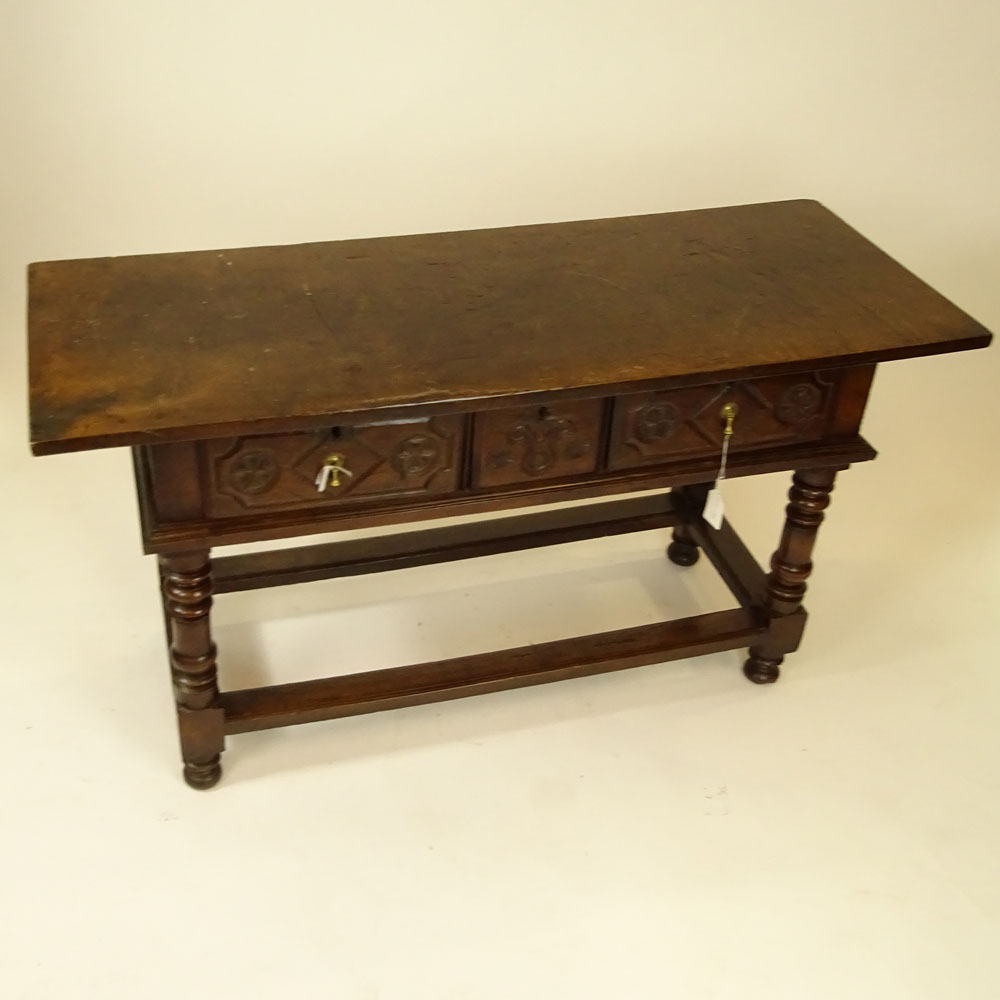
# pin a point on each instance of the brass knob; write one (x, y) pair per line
(330, 472)
(728, 414)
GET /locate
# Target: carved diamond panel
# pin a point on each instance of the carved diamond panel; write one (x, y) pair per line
(687, 423)
(386, 460)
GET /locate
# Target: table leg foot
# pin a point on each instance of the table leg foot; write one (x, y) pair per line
(203, 775)
(682, 551)
(762, 670)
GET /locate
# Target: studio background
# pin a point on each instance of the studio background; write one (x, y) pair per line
(671, 831)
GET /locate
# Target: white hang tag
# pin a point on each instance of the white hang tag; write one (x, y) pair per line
(323, 477)
(715, 508)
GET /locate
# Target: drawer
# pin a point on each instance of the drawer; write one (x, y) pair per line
(536, 443)
(655, 427)
(383, 462)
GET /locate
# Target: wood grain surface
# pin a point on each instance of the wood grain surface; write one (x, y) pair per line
(181, 346)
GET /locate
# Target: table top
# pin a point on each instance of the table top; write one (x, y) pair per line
(176, 346)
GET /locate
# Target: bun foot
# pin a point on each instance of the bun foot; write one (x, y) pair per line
(682, 553)
(203, 775)
(761, 670)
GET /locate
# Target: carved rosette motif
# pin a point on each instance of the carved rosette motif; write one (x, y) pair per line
(254, 472)
(799, 403)
(416, 456)
(656, 421)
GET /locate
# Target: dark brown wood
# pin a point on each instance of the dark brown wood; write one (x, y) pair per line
(165, 536)
(466, 373)
(397, 687)
(534, 443)
(304, 564)
(688, 502)
(175, 483)
(652, 427)
(791, 565)
(381, 462)
(430, 463)
(187, 597)
(299, 337)
(854, 385)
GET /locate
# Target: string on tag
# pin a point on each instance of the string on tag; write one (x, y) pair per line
(715, 508)
(725, 453)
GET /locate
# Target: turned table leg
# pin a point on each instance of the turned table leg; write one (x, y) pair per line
(790, 568)
(683, 550)
(187, 601)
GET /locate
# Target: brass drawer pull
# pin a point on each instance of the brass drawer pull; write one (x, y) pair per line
(331, 471)
(728, 414)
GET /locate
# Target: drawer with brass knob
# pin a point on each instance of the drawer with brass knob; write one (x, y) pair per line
(654, 428)
(284, 471)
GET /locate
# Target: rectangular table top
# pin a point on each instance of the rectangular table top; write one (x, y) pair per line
(158, 347)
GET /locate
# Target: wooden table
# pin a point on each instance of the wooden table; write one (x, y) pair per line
(417, 377)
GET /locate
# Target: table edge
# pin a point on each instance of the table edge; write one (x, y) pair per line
(978, 337)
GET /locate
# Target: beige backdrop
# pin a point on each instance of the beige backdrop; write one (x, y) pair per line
(669, 832)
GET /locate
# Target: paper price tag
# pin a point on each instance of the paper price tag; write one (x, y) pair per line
(323, 478)
(715, 508)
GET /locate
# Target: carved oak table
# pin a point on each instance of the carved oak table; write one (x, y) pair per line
(273, 392)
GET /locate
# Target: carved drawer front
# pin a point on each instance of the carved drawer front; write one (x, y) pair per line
(654, 427)
(534, 443)
(385, 461)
